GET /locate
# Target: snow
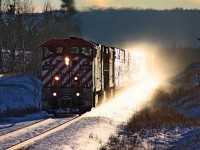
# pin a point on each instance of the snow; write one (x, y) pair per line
(21, 91)
(188, 140)
(94, 128)
(189, 107)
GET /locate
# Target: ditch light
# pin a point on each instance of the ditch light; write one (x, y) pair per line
(54, 94)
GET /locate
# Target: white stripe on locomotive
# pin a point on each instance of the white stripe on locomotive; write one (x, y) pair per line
(53, 72)
(77, 67)
(45, 72)
(86, 77)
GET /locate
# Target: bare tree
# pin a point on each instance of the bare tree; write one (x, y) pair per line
(48, 20)
(1, 25)
(15, 26)
(19, 29)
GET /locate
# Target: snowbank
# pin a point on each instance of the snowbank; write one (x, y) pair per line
(19, 92)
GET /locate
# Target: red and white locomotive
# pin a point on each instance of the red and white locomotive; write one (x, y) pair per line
(77, 74)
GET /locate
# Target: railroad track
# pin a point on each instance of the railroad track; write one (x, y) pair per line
(26, 136)
(17, 131)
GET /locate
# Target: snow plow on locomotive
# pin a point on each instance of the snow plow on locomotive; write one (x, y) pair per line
(78, 74)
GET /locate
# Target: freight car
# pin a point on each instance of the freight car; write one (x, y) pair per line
(78, 75)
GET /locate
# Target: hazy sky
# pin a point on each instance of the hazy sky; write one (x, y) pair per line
(155, 4)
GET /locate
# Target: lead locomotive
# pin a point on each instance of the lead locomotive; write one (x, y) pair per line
(78, 74)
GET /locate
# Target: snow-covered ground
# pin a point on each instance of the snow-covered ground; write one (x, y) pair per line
(19, 92)
(93, 130)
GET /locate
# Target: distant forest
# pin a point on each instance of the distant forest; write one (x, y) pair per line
(167, 27)
(23, 30)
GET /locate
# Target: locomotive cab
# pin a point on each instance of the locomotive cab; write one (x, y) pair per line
(68, 79)
(77, 74)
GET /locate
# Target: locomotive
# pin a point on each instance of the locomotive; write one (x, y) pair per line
(78, 75)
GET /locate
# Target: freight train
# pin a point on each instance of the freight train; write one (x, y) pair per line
(78, 74)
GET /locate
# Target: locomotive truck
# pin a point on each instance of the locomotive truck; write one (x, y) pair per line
(78, 75)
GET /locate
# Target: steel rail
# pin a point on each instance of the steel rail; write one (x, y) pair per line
(24, 128)
(28, 142)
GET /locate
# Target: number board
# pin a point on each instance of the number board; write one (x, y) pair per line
(86, 67)
(47, 67)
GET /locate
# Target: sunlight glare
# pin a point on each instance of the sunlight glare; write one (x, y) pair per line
(138, 95)
(128, 101)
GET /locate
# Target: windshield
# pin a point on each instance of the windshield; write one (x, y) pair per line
(87, 51)
(48, 51)
(73, 50)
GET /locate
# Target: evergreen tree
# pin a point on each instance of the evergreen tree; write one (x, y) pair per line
(69, 20)
(68, 5)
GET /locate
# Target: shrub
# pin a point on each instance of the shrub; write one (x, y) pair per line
(154, 118)
(163, 98)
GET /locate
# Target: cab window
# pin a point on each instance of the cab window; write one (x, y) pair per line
(87, 51)
(73, 50)
(59, 50)
(47, 51)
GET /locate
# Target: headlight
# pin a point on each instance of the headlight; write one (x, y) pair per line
(77, 94)
(54, 94)
(67, 61)
(57, 78)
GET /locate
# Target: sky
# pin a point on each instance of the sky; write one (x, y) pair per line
(154, 4)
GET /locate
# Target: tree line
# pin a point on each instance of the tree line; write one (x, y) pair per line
(22, 30)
